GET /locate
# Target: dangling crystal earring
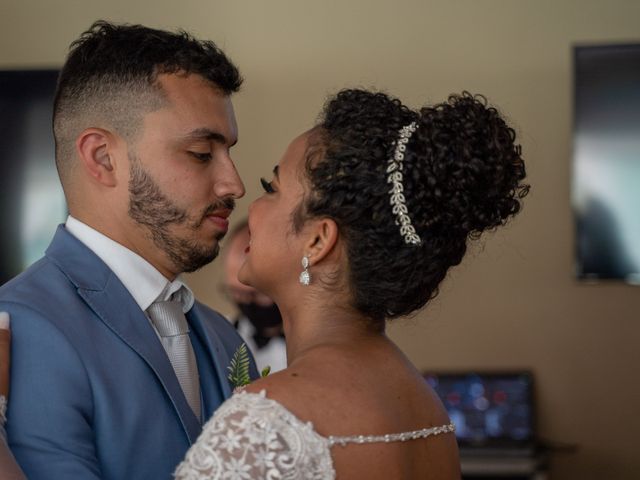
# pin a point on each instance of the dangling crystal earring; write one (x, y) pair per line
(305, 276)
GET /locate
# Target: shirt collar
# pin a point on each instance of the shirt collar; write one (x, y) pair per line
(145, 284)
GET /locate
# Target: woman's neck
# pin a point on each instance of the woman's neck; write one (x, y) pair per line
(308, 326)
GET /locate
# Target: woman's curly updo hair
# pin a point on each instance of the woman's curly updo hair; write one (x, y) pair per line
(462, 173)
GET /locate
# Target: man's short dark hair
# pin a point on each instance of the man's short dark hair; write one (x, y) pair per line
(110, 79)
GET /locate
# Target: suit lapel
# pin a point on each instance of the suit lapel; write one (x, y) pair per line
(114, 305)
(123, 316)
(219, 357)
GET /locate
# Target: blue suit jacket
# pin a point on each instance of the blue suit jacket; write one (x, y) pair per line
(93, 394)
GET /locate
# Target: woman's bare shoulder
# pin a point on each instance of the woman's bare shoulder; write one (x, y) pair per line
(344, 398)
(294, 387)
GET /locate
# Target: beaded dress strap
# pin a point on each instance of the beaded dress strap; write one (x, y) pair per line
(391, 437)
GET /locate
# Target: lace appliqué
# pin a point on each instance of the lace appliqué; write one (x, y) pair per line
(252, 436)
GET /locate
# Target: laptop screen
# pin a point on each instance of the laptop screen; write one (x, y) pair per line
(488, 409)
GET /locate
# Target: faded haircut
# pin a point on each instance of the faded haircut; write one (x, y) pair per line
(109, 80)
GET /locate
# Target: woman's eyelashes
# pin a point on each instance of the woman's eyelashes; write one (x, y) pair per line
(268, 188)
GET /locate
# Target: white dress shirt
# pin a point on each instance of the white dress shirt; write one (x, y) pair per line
(139, 277)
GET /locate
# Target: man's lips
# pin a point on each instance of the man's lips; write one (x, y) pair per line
(220, 218)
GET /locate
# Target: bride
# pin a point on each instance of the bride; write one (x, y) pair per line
(363, 217)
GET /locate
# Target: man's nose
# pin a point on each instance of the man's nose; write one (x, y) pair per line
(227, 182)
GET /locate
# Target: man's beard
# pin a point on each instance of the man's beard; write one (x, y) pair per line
(149, 207)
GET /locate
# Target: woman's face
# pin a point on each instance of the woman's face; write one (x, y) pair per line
(275, 252)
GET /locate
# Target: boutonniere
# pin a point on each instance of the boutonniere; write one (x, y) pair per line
(239, 368)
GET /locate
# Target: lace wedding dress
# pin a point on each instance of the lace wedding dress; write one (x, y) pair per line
(251, 436)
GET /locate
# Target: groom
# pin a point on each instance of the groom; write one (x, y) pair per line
(115, 366)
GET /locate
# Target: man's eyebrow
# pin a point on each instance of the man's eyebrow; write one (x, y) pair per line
(275, 172)
(211, 135)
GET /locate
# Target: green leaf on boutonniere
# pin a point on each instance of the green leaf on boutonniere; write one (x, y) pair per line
(239, 367)
(265, 371)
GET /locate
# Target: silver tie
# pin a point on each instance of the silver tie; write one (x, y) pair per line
(173, 329)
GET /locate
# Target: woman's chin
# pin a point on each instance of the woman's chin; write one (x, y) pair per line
(243, 275)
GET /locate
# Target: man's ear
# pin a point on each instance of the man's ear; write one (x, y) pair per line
(323, 239)
(96, 147)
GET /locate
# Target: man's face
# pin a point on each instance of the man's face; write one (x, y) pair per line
(182, 182)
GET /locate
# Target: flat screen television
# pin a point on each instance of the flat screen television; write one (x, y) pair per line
(31, 200)
(606, 162)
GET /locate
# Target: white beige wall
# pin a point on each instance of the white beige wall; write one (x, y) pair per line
(513, 303)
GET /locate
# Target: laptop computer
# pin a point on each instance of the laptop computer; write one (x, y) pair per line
(493, 412)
